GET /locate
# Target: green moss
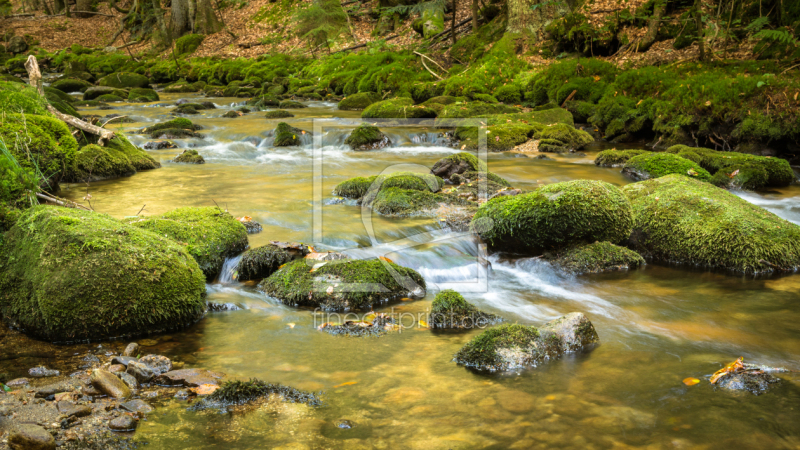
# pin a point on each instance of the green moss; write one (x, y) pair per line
(17, 185)
(396, 201)
(450, 310)
(181, 87)
(192, 108)
(94, 92)
(39, 143)
(654, 165)
(188, 43)
(124, 80)
(189, 157)
(616, 158)
(444, 100)
(179, 123)
(287, 135)
(398, 108)
(509, 93)
(210, 234)
(476, 109)
(367, 137)
(138, 157)
(17, 98)
(295, 284)
(562, 138)
(110, 98)
(68, 274)
(359, 101)
(354, 187)
(597, 257)
(143, 95)
(482, 351)
(499, 138)
(485, 98)
(682, 220)
(239, 393)
(93, 163)
(261, 262)
(555, 216)
(291, 104)
(278, 114)
(778, 171)
(70, 85)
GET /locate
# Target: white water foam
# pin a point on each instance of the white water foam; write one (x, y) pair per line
(785, 208)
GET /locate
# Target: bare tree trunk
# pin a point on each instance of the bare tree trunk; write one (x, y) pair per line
(83, 5)
(180, 18)
(475, 6)
(698, 21)
(205, 18)
(453, 23)
(532, 16)
(652, 27)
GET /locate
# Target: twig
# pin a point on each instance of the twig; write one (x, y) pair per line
(140, 211)
(569, 97)
(61, 202)
(429, 70)
(109, 120)
(790, 68)
(431, 60)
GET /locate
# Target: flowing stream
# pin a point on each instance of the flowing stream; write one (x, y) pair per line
(657, 325)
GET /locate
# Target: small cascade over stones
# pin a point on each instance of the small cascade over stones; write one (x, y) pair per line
(228, 273)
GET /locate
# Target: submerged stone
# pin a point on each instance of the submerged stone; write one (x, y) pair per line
(754, 381)
(512, 347)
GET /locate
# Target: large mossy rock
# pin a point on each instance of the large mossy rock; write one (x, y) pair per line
(616, 158)
(398, 108)
(682, 220)
(330, 287)
(209, 233)
(39, 143)
(188, 43)
(358, 102)
(465, 165)
(475, 109)
(94, 163)
(261, 262)
(173, 129)
(95, 92)
(359, 187)
(654, 165)
(514, 347)
(732, 169)
(449, 310)
(68, 274)
(17, 98)
(143, 95)
(399, 202)
(124, 80)
(561, 138)
(287, 135)
(597, 257)
(189, 156)
(367, 137)
(70, 85)
(555, 216)
(499, 138)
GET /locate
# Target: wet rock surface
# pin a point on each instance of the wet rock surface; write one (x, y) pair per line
(31, 437)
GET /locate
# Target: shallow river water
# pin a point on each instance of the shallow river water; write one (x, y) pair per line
(657, 325)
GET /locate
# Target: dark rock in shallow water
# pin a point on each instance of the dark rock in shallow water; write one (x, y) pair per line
(252, 227)
(131, 350)
(124, 360)
(55, 388)
(450, 310)
(159, 145)
(140, 371)
(380, 325)
(157, 363)
(122, 423)
(219, 307)
(70, 409)
(137, 405)
(512, 347)
(41, 372)
(754, 381)
(261, 262)
(109, 384)
(190, 157)
(239, 393)
(30, 437)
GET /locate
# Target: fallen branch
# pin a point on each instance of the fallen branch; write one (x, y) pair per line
(463, 22)
(429, 70)
(431, 60)
(366, 43)
(569, 97)
(61, 202)
(35, 76)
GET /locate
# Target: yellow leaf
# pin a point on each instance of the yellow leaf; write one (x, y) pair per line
(204, 389)
(383, 258)
(731, 367)
(690, 381)
(423, 324)
(346, 383)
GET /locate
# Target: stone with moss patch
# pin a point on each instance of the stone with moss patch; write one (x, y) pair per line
(555, 216)
(616, 158)
(209, 233)
(69, 85)
(193, 108)
(654, 165)
(560, 138)
(233, 394)
(291, 104)
(597, 257)
(367, 137)
(329, 286)
(754, 171)
(261, 262)
(359, 101)
(173, 129)
(278, 114)
(682, 220)
(124, 80)
(95, 92)
(143, 95)
(68, 274)
(398, 108)
(188, 43)
(513, 347)
(399, 202)
(287, 135)
(449, 310)
(190, 156)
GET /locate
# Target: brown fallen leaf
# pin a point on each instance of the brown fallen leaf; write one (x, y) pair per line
(732, 367)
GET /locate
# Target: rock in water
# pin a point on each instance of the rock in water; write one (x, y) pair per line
(754, 381)
(511, 347)
(31, 437)
(594, 258)
(450, 310)
(122, 423)
(367, 137)
(261, 262)
(190, 157)
(157, 363)
(140, 371)
(189, 377)
(68, 274)
(682, 220)
(211, 234)
(41, 372)
(555, 216)
(109, 384)
(137, 405)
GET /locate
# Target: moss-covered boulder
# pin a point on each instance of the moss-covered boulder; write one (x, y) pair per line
(358, 102)
(251, 394)
(39, 143)
(444, 100)
(476, 109)
(119, 158)
(111, 98)
(560, 138)
(68, 275)
(193, 108)
(189, 156)
(359, 187)
(173, 129)
(683, 220)
(291, 104)
(188, 43)
(287, 135)
(449, 310)
(555, 216)
(499, 138)
(732, 169)
(616, 158)
(16, 98)
(367, 137)
(143, 95)
(399, 202)
(124, 80)
(183, 87)
(261, 262)
(597, 257)
(331, 286)
(513, 347)
(463, 163)
(654, 165)
(69, 85)
(95, 92)
(209, 233)
(398, 108)
(278, 114)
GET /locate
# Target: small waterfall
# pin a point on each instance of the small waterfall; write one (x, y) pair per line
(226, 276)
(785, 208)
